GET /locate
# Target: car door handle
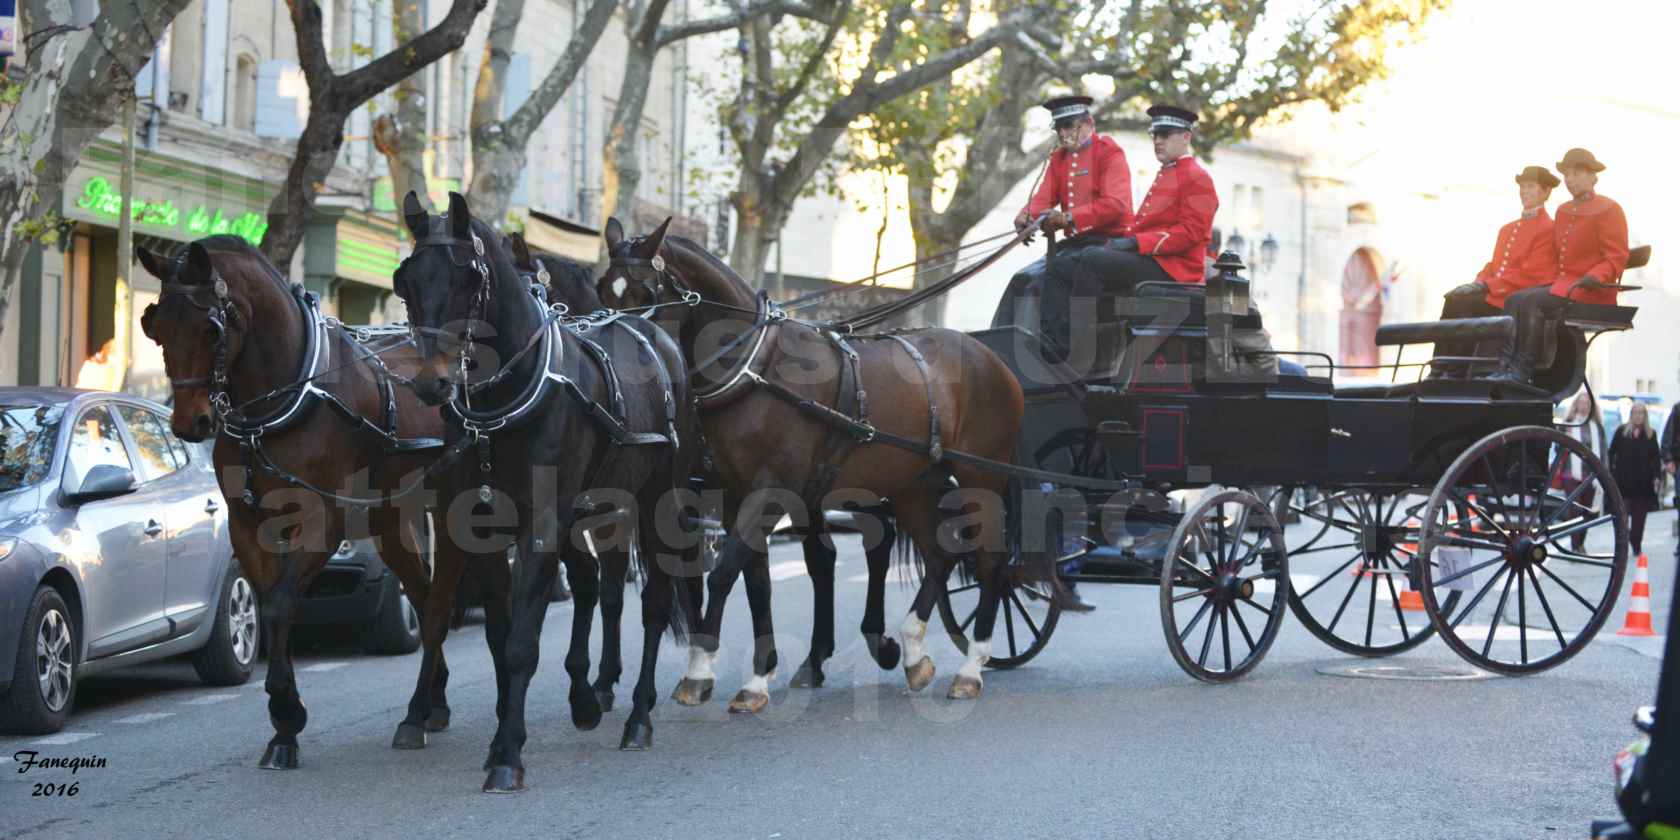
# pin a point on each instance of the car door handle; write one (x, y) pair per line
(211, 506)
(153, 528)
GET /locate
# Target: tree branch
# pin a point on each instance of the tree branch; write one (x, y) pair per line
(312, 48)
(644, 28)
(524, 121)
(704, 26)
(788, 97)
(355, 88)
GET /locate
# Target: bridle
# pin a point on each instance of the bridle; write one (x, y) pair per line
(220, 313)
(648, 274)
(477, 262)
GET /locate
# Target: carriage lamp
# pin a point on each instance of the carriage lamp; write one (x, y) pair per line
(1268, 253)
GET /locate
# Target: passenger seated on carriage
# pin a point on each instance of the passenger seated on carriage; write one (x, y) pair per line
(1591, 238)
(1524, 256)
(1087, 186)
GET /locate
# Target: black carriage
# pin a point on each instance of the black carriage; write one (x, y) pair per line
(1419, 505)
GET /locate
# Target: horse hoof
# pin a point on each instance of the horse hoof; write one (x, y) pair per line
(586, 710)
(604, 696)
(748, 702)
(808, 677)
(918, 676)
(504, 779)
(279, 757)
(964, 688)
(690, 692)
(438, 720)
(637, 736)
(887, 655)
(409, 737)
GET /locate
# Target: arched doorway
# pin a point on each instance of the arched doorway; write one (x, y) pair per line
(1362, 306)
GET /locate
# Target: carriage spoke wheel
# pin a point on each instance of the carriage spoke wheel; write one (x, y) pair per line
(1540, 561)
(1027, 614)
(1347, 586)
(1223, 586)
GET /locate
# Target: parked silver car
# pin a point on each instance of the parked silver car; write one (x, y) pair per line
(113, 552)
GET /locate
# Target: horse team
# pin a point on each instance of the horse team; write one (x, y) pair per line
(527, 408)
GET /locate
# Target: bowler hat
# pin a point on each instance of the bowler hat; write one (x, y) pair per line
(1539, 175)
(1581, 158)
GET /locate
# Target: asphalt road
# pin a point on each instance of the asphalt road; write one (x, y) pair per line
(1100, 736)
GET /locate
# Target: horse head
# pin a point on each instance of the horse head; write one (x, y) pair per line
(448, 284)
(200, 325)
(568, 282)
(637, 272)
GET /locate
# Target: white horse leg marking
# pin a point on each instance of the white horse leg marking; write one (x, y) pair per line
(758, 684)
(699, 663)
(912, 630)
(978, 654)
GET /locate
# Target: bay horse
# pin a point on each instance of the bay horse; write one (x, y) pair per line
(782, 405)
(560, 427)
(301, 411)
(572, 284)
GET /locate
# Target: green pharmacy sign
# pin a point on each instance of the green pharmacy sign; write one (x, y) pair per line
(99, 197)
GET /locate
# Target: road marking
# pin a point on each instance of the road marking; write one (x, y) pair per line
(324, 666)
(145, 717)
(64, 738)
(209, 699)
(787, 569)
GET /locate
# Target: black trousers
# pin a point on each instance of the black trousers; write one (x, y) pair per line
(1463, 306)
(1045, 282)
(1532, 308)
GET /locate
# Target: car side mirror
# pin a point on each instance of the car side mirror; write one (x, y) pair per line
(103, 482)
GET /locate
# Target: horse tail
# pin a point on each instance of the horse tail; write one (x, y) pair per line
(677, 620)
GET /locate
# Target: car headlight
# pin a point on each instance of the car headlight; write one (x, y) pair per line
(7, 544)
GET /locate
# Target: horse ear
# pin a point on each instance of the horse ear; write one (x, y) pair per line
(414, 215)
(521, 249)
(198, 258)
(460, 218)
(154, 263)
(615, 233)
(656, 240)
(146, 318)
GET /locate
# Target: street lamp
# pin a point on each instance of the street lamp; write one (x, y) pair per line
(1268, 253)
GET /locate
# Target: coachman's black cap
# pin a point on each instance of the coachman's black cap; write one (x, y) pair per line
(1170, 117)
(1538, 175)
(1067, 108)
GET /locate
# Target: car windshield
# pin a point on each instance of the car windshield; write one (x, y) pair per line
(27, 433)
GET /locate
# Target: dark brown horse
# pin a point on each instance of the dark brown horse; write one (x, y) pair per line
(764, 383)
(302, 412)
(572, 284)
(560, 429)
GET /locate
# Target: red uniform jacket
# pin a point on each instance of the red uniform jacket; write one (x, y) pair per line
(1592, 239)
(1523, 256)
(1175, 222)
(1092, 185)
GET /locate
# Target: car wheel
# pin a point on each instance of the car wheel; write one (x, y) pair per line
(231, 653)
(396, 629)
(44, 679)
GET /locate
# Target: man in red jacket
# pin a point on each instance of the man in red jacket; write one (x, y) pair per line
(1173, 229)
(1591, 236)
(1524, 256)
(1087, 191)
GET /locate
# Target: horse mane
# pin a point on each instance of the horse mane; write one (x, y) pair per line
(229, 245)
(721, 267)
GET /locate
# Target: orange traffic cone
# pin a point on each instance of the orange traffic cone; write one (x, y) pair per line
(1410, 599)
(1639, 610)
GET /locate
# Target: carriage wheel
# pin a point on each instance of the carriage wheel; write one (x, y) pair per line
(1313, 509)
(1224, 586)
(1371, 544)
(1554, 563)
(1027, 615)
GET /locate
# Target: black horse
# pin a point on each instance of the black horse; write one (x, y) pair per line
(573, 285)
(568, 434)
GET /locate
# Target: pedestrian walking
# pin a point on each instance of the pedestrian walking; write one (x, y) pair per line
(1636, 465)
(1579, 424)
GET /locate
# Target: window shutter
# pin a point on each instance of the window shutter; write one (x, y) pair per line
(282, 100)
(212, 97)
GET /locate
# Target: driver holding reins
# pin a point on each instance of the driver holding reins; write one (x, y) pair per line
(1087, 192)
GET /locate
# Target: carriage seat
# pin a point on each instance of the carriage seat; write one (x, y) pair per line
(1453, 329)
